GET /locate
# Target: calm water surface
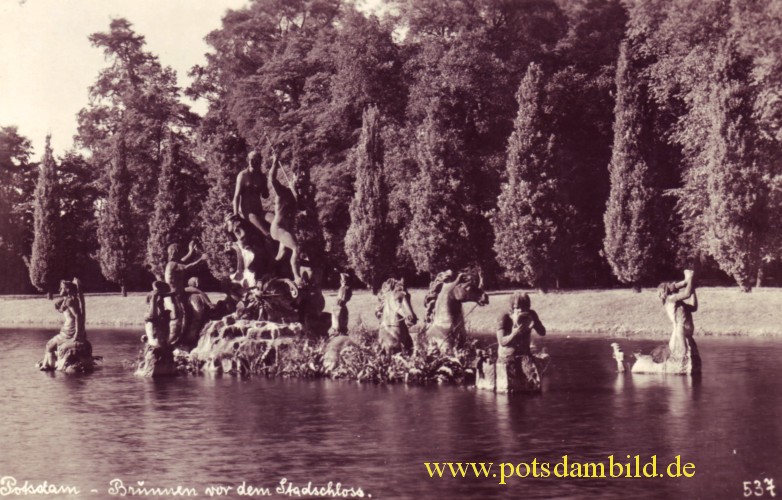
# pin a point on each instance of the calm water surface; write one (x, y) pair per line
(199, 431)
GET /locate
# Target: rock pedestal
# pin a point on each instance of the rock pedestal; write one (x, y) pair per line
(522, 374)
(157, 361)
(75, 357)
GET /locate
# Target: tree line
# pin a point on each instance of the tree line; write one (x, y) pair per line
(552, 143)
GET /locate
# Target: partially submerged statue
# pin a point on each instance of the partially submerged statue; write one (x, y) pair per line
(70, 351)
(396, 317)
(680, 355)
(446, 329)
(517, 369)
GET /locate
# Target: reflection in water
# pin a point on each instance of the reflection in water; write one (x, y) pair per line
(202, 430)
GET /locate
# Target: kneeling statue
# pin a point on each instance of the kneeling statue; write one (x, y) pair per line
(69, 350)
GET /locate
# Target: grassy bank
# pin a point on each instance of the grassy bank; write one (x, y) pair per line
(723, 311)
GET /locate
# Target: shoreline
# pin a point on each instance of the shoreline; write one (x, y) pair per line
(613, 313)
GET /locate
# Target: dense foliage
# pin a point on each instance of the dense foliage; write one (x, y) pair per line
(515, 136)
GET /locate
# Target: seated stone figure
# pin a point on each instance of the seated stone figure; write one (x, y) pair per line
(250, 189)
(69, 350)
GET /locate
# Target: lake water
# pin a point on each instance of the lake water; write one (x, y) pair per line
(199, 431)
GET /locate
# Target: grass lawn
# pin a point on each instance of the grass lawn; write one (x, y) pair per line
(723, 311)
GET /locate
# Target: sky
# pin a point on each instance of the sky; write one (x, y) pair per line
(47, 62)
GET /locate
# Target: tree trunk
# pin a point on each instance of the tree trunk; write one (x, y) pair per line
(49, 295)
(637, 287)
(124, 290)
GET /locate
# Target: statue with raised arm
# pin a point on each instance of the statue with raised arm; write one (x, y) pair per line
(282, 227)
(251, 187)
(680, 355)
(69, 351)
(176, 277)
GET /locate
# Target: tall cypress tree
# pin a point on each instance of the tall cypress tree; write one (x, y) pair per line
(530, 213)
(366, 241)
(169, 222)
(43, 262)
(738, 212)
(115, 232)
(436, 237)
(629, 216)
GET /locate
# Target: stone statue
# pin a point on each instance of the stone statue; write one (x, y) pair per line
(69, 350)
(517, 369)
(158, 353)
(396, 317)
(680, 355)
(282, 226)
(175, 276)
(250, 189)
(339, 314)
(446, 328)
(514, 329)
(200, 309)
(157, 324)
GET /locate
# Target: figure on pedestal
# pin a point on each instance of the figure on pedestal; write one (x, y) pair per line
(69, 350)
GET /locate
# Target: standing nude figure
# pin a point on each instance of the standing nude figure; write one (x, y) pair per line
(250, 189)
(282, 226)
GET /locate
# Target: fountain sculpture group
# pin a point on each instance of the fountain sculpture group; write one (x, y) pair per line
(266, 309)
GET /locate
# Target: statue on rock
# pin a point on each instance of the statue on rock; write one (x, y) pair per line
(70, 351)
(176, 277)
(516, 369)
(680, 355)
(282, 227)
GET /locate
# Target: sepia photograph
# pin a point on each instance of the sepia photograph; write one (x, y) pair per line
(391, 249)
